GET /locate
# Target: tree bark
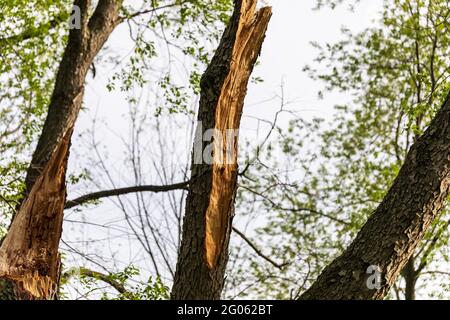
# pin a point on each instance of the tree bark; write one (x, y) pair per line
(29, 261)
(203, 254)
(397, 226)
(82, 47)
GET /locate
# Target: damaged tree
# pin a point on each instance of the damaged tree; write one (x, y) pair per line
(82, 47)
(389, 237)
(29, 258)
(29, 261)
(207, 223)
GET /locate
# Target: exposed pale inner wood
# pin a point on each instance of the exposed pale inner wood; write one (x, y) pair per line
(29, 254)
(249, 38)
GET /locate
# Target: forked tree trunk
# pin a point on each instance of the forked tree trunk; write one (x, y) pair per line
(397, 226)
(29, 262)
(210, 203)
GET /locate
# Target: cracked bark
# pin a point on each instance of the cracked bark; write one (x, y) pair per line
(203, 254)
(397, 226)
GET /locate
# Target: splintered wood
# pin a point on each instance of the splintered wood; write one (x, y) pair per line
(250, 33)
(29, 256)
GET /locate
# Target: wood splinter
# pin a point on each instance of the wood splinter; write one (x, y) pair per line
(29, 258)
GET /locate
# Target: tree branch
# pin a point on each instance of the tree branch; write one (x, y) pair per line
(177, 186)
(259, 252)
(429, 250)
(99, 276)
(152, 10)
(437, 272)
(122, 191)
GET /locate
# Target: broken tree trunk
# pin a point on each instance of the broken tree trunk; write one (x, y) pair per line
(389, 237)
(210, 203)
(29, 259)
(29, 262)
(203, 253)
(82, 47)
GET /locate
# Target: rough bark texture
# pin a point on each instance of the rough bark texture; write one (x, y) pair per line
(397, 226)
(82, 47)
(210, 203)
(29, 259)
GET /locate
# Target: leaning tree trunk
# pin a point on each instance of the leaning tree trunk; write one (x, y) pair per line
(29, 262)
(203, 253)
(389, 237)
(82, 47)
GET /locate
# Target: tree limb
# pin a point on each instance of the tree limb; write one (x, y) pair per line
(121, 191)
(429, 250)
(99, 276)
(259, 252)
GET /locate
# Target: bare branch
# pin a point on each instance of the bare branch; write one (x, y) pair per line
(431, 246)
(122, 191)
(258, 251)
(152, 10)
